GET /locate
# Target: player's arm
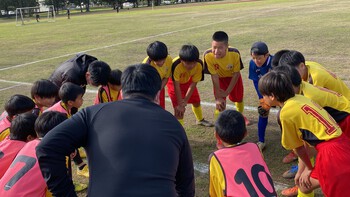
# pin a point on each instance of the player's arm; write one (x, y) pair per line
(164, 82)
(304, 179)
(181, 105)
(190, 92)
(232, 83)
(219, 93)
(215, 177)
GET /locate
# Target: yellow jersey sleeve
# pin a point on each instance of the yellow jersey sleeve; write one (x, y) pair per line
(4, 134)
(164, 71)
(216, 179)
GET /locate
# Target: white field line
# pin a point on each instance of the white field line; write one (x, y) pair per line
(131, 41)
(204, 103)
(10, 87)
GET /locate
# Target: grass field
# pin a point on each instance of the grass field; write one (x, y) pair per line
(317, 28)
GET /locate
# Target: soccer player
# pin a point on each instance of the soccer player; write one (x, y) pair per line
(16, 105)
(71, 96)
(43, 93)
(187, 71)
(21, 131)
(334, 103)
(23, 177)
(259, 65)
(111, 91)
(158, 58)
(237, 169)
(140, 149)
(304, 123)
(314, 73)
(224, 64)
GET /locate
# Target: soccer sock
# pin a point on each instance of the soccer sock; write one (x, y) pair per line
(300, 194)
(181, 121)
(198, 112)
(262, 123)
(240, 106)
(216, 114)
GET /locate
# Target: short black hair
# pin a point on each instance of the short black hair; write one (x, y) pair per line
(189, 53)
(292, 73)
(23, 126)
(157, 51)
(115, 77)
(99, 72)
(44, 88)
(70, 92)
(18, 104)
(220, 36)
(47, 121)
(276, 84)
(230, 126)
(277, 56)
(141, 79)
(292, 58)
(259, 48)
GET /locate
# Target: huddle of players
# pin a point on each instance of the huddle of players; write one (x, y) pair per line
(312, 127)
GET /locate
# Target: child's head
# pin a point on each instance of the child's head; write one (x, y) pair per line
(219, 44)
(259, 52)
(189, 56)
(230, 127)
(276, 86)
(292, 58)
(98, 73)
(22, 127)
(277, 56)
(18, 104)
(71, 94)
(115, 78)
(292, 73)
(47, 121)
(157, 51)
(44, 92)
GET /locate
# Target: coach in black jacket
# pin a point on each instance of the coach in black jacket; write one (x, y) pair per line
(134, 147)
(82, 69)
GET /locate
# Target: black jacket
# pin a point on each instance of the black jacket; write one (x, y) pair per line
(72, 70)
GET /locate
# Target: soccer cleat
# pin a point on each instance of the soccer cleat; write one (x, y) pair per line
(205, 123)
(289, 174)
(290, 157)
(293, 191)
(84, 171)
(261, 145)
(78, 187)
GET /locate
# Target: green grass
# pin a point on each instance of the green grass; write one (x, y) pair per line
(317, 28)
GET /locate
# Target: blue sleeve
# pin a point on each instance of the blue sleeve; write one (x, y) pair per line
(252, 71)
(256, 82)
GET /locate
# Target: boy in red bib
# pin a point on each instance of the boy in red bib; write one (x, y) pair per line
(111, 91)
(237, 169)
(27, 180)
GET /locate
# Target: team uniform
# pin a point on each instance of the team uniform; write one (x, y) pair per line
(255, 73)
(185, 78)
(233, 168)
(60, 107)
(224, 68)
(164, 73)
(23, 177)
(8, 151)
(320, 76)
(302, 120)
(106, 94)
(334, 103)
(5, 125)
